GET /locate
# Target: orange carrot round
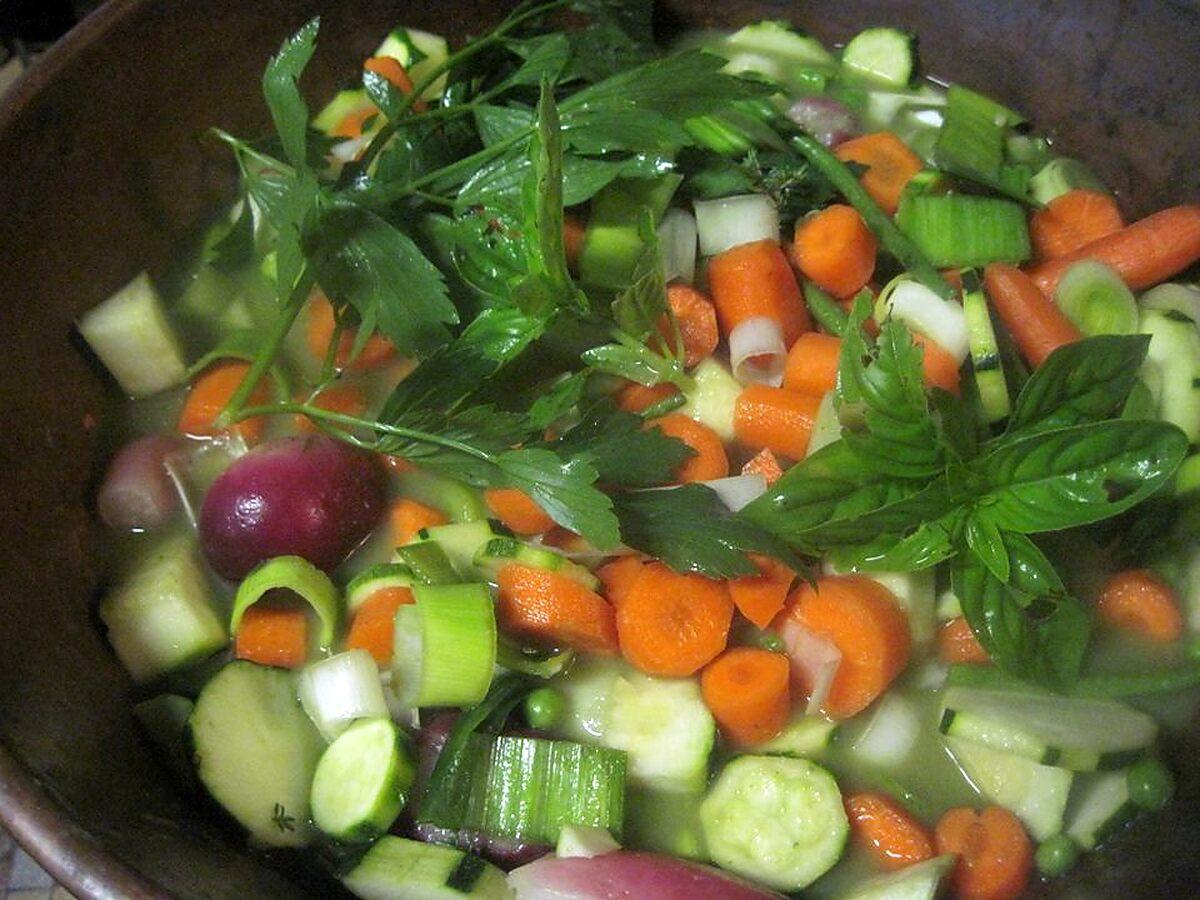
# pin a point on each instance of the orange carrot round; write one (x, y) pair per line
(374, 625)
(618, 576)
(760, 597)
(319, 328)
(709, 460)
(1071, 221)
(887, 831)
(956, 643)
(747, 691)
(765, 464)
(555, 609)
(756, 279)
(517, 511)
(407, 517)
(860, 617)
(273, 635)
(890, 166)
(210, 393)
(941, 369)
(351, 125)
(637, 398)
(995, 855)
(696, 319)
(1138, 601)
(1035, 322)
(339, 398)
(774, 418)
(672, 624)
(812, 364)
(1143, 254)
(836, 250)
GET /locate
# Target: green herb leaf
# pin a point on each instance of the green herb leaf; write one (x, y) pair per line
(635, 361)
(930, 544)
(565, 490)
(559, 400)
(281, 89)
(622, 449)
(638, 309)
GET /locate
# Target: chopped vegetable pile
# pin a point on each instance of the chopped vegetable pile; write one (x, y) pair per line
(707, 471)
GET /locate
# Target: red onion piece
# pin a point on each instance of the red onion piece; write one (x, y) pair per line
(137, 492)
(827, 120)
(815, 661)
(628, 874)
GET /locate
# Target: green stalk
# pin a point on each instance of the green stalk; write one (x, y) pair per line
(1092, 687)
(824, 309)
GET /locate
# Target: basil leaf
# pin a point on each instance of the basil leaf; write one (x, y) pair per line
(930, 544)
(987, 543)
(1053, 480)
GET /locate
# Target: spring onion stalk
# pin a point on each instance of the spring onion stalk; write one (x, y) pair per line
(528, 788)
(340, 689)
(825, 310)
(757, 353)
(445, 646)
(971, 142)
(960, 230)
(1094, 297)
(891, 734)
(677, 237)
(923, 311)
(907, 253)
(732, 221)
(738, 491)
(299, 576)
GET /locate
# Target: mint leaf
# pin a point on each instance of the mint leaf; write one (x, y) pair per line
(281, 89)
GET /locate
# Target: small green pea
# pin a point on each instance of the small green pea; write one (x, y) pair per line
(1056, 855)
(769, 640)
(544, 707)
(1150, 784)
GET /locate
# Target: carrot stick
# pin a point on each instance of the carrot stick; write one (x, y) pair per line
(995, 855)
(319, 329)
(890, 166)
(517, 511)
(756, 279)
(389, 67)
(747, 691)
(574, 230)
(1071, 221)
(541, 605)
(886, 830)
(637, 398)
(1138, 601)
(760, 597)
(836, 250)
(273, 636)
(341, 398)
(671, 624)
(374, 625)
(1036, 324)
(697, 322)
(709, 460)
(209, 394)
(407, 517)
(774, 418)
(862, 619)
(765, 464)
(941, 369)
(956, 643)
(1143, 254)
(812, 364)
(618, 577)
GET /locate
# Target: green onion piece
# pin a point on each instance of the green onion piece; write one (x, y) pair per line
(529, 788)
(907, 253)
(445, 646)
(985, 352)
(959, 230)
(1061, 175)
(664, 406)
(613, 244)
(532, 661)
(721, 137)
(1095, 298)
(298, 576)
(428, 562)
(825, 310)
(970, 143)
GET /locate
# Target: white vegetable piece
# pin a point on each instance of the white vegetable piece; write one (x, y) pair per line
(942, 321)
(733, 221)
(738, 491)
(677, 237)
(757, 352)
(890, 736)
(338, 690)
(586, 841)
(814, 658)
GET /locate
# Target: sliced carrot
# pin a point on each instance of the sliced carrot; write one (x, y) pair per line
(351, 124)
(407, 517)
(210, 393)
(541, 605)
(671, 624)
(836, 250)
(995, 855)
(273, 635)
(1143, 254)
(574, 229)
(760, 597)
(956, 643)
(1037, 325)
(517, 511)
(812, 364)
(1138, 601)
(941, 369)
(890, 166)
(637, 398)
(319, 328)
(696, 319)
(618, 577)
(747, 690)
(887, 831)
(391, 69)
(774, 418)
(340, 398)
(1071, 221)
(765, 464)
(709, 460)
(860, 617)
(756, 279)
(374, 625)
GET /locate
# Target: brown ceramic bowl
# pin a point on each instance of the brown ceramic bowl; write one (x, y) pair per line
(104, 166)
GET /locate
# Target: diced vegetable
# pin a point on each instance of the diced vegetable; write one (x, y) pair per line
(883, 55)
(959, 230)
(428, 562)
(891, 734)
(586, 841)
(445, 646)
(399, 869)
(711, 401)
(677, 236)
(1061, 175)
(459, 502)
(1181, 298)
(298, 576)
(370, 581)
(916, 882)
(361, 781)
(1103, 808)
(612, 245)
(1094, 297)
(339, 689)
(804, 736)
(757, 354)
(1172, 367)
(137, 492)
(985, 351)
(995, 855)
(923, 311)
(498, 552)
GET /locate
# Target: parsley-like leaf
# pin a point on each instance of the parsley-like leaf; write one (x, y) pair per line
(280, 87)
(565, 490)
(623, 451)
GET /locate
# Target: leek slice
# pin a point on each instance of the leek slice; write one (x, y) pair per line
(298, 576)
